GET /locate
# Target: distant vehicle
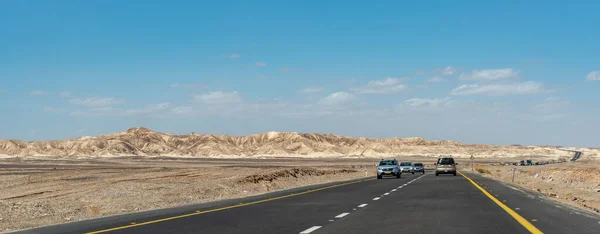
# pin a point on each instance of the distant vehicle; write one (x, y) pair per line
(529, 163)
(419, 167)
(388, 167)
(407, 167)
(445, 165)
(522, 163)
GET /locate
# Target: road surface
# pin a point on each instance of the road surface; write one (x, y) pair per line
(419, 203)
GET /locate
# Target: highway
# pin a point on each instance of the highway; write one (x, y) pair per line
(466, 203)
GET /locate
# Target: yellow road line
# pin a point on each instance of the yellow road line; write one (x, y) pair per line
(508, 210)
(225, 208)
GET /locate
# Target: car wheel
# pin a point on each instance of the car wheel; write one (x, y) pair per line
(413, 172)
(378, 177)
(423, 172)
(398, 175)
(436, 174)
(454, 173)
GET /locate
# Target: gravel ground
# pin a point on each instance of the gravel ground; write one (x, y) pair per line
(573, 183)
(45, 192)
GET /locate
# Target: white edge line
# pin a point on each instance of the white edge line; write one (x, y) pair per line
(375, 199)
(362, 205)
(385, 194)
(310, 230)
(342, 215)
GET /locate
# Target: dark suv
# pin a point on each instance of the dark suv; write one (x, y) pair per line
(419, 167)
(445, 165)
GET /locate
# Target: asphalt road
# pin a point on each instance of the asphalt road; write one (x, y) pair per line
(413, 204)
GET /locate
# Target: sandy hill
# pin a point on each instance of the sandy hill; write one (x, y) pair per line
(145, 142)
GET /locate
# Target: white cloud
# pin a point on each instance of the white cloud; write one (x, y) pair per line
(37, 92)
(158, 109)
(593, 76)
(435, 79)
(98, 111)
(149, 109)
(448, 71)
(96, 101)
(249, 110)
(529, 87)
(385, 86)
(424, 102)
(65, 94)
(551, 109)
(182, 111)
(336, 99)
(443, 71)
(232, 56)
(261, 64)
(491, 75)
(311, 90)
(219, 97)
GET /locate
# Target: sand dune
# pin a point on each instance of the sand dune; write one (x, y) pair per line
(145, 142)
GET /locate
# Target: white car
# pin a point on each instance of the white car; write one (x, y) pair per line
(388, 168)
(407, 167)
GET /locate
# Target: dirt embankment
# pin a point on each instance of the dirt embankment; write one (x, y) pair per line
(34, 194)
(574, 183)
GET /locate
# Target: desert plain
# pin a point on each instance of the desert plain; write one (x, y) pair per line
(52, 182)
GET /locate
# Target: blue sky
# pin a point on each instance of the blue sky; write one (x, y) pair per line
(500, 72)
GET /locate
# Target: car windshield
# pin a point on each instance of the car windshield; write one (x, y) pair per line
(418, 165)
(405, 164)
(387, 163)
(446, 161)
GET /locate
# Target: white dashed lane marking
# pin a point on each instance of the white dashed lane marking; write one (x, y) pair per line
(312, 229)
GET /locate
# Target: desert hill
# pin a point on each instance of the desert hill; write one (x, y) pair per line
(145, 142)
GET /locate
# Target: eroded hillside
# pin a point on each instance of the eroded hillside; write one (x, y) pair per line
(145, 142)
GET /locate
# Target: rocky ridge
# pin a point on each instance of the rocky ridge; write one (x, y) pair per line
(145, 142)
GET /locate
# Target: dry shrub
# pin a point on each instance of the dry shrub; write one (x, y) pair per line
(295, 172)
(94, 210)
(483, 170)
